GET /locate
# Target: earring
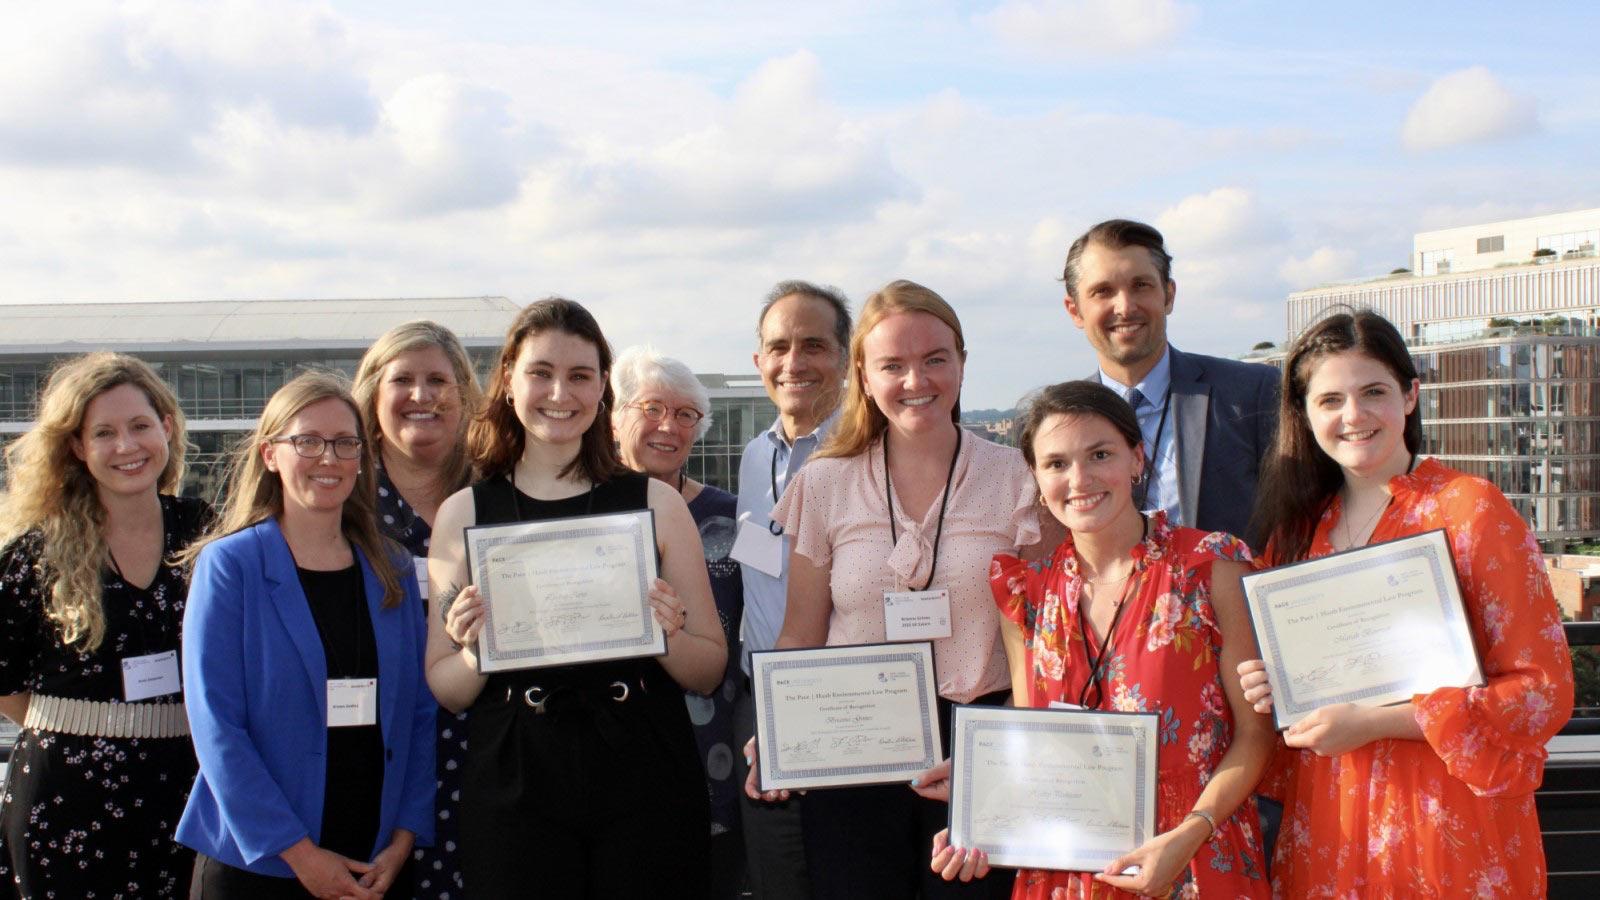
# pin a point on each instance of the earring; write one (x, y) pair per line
(509, 401)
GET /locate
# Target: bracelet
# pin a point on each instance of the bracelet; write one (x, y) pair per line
(1202, 814)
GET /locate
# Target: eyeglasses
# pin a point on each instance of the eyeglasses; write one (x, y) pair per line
(655, 411)
(312, 446)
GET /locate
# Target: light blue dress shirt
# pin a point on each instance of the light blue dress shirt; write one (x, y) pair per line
(765, 596)
(1164, 493)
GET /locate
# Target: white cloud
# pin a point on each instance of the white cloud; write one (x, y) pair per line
(138, 84)
(1228, 217)
(1466, 107)
(1322, 265)
(776, 153)
(1064, 30)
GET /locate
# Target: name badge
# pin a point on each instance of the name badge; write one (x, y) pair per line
(149, 676)
(758, 548)
(916, 615)
(352, 701)
(421, 563)
(1062, 704)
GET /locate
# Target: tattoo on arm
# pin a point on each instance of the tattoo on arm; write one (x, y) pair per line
(445, 598)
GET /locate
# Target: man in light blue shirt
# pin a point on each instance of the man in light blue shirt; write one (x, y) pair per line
(804, 332)
(1151, 400)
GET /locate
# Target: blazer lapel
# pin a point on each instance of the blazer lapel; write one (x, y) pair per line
(391, 643)
(1191, 405)
(289, 599)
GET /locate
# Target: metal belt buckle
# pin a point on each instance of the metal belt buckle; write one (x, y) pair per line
(619, 691)
(538, 705)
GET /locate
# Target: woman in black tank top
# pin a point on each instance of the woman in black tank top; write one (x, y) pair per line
(581, 780)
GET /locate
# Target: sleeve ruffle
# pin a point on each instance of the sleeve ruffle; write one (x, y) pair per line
(1008, 581)
(1493, 737)
(1025, 512)
(804, 521)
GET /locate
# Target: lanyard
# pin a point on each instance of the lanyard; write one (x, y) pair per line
(888, 495)
(1098, 662)
(772, 526)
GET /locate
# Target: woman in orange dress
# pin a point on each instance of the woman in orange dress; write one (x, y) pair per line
(1133, 614)
(1432, 798)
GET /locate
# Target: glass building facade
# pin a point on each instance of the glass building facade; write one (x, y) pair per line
(222, 396)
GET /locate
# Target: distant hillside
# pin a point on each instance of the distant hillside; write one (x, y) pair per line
(984, 416)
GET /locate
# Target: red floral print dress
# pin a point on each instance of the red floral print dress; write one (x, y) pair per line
(1451, 815)
(1163, 659)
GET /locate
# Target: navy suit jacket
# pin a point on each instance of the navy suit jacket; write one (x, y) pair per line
(255, 681)
(1225, 418)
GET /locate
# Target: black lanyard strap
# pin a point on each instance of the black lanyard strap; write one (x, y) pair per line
(1099, 661)
(888, 495)
(774, 527)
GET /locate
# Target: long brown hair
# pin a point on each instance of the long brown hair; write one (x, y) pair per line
(497, 437)
(860, 420)
(404, 338)
(1299, 480)
(254, 493)
(52, 490)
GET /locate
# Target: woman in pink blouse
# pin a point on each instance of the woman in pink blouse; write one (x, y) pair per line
(900, 499)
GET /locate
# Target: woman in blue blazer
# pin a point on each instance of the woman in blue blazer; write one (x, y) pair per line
(303, 643)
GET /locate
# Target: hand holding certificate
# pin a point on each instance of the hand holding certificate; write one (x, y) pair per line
(836, 716)
(1052, 789)
(563, 591)
(1372, 626)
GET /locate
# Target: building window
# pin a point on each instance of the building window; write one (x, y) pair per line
(1576, 243)
(1436, 262)
(1494, 244)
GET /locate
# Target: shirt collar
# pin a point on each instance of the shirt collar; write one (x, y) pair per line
(775, 432)
(1155, 384)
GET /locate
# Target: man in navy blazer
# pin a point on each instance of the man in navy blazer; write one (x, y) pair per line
(1207, 422)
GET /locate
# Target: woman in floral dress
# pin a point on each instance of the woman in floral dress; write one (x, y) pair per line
(417, 392)
(1432, 798)
(91, 605)
(1134, 615)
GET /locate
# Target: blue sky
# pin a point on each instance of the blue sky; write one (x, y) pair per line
(666, 162)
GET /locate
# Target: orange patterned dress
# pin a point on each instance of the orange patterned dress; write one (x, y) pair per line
(1164, 659)
(1451, 816)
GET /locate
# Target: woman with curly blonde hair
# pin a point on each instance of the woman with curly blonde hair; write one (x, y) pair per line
(91, 604)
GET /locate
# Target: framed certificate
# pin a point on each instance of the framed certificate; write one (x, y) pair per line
(1372, 626)
(1066, 789)
(563, 591)
(837, 716)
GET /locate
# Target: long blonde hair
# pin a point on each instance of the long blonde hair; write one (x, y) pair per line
(404, 338)
(860, 420)
(52, 491)
(254, 493)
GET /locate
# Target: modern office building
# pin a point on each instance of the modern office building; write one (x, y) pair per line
(1503, 320)
(225, 358)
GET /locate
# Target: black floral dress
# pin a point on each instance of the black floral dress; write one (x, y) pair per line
(93, 817)
(437, 868)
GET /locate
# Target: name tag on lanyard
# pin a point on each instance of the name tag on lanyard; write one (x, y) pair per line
(758, 548)
(153, 675)
(352, 701)
(916, 615)
(421, 563)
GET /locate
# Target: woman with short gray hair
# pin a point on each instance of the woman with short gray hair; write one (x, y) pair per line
(662, 409)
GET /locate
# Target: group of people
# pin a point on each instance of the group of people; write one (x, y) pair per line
(282, 697)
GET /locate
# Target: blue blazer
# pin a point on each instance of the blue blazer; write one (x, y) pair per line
(255, 681)
(1226, 414)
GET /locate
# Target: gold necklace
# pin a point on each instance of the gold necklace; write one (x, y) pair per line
(1366, 528)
